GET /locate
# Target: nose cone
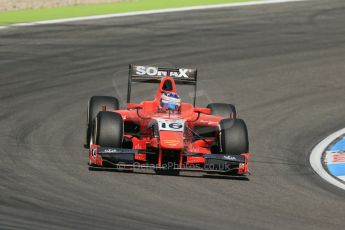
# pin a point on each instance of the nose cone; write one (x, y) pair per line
(171, 140)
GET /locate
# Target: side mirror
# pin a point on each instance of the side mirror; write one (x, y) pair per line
(203, 110)
(134, 106)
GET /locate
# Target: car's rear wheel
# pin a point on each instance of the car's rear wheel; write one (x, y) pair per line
(108, 130)
(95, 105)
(233, 137)
(223, 110)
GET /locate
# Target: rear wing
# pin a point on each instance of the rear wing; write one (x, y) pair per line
(150, 74)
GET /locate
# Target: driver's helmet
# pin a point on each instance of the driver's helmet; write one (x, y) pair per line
(170, 101)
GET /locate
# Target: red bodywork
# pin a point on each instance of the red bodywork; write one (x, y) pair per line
(176, 140)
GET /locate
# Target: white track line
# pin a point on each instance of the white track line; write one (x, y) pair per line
(316, 157)
(136, 13)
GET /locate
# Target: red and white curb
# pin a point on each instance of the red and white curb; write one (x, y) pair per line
(316, 157)
(148, 12)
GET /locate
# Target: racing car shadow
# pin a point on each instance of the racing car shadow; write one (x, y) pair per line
(192, 175)
(222, 177)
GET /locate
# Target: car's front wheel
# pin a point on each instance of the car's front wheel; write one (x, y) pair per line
(94, 106)
(233, 137)
(107, 130)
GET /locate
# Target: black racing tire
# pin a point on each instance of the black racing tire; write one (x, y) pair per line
(233, 137)
(94, 106)
(223, 110)
(108, 130)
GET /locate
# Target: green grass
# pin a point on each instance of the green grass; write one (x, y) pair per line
(12, 17)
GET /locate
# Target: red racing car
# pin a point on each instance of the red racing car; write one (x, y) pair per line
(166, 134)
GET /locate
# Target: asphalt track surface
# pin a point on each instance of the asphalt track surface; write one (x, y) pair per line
(281, 64)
